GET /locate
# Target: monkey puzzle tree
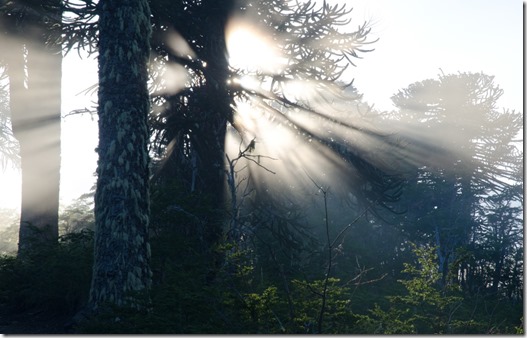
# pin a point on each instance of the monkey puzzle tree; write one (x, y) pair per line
(193, 122)
(122, 252)
(498, 244)
(190, 120)
(446, 201)
(191, 117)
(32, 33)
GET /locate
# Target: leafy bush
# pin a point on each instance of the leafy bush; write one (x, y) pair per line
(426, 307)
(55, 278)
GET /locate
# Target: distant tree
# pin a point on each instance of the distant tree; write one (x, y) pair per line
(122, 252)
(78, 215)
(9, 221)
(32, 32)
(498, 244)
(445, 198)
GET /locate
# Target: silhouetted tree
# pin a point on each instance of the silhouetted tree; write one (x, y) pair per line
(193, 122)
(445, 199)
(189, 121)
(498, 242)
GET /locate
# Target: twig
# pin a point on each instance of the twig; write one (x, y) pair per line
(330, 250)
(330, 257)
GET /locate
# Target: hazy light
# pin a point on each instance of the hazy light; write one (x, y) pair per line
(251, 49)
(78, 138)
(173, 79)
(178, 45)
(290, 158)
(286, 143)
(10, 181)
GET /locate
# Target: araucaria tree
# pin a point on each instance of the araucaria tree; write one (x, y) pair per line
(462, 202)
(190, 119)
(30, 35)
(121, 263)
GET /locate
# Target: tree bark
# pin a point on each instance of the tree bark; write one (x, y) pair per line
(122, 253)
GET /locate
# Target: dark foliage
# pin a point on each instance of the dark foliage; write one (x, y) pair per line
(54, 279)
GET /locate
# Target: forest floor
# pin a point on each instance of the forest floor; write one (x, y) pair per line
(32, 322)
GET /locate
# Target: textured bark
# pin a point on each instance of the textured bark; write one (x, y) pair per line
(122, 253)
(35, 104)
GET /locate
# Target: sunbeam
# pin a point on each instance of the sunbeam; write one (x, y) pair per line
(308, 128)
(251, 49)
(305, 127)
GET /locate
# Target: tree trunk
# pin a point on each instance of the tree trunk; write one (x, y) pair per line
(35, 103)
(122, 253)
(198, 131)
(216, 109)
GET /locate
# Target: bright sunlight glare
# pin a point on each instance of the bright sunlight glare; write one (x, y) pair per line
(251, 49)
(288, 154)
(286, 159)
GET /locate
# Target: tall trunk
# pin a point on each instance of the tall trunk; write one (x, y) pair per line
(122, 252)
(214, 111)
(196, 132)
(217, 110)
(35, 104)
(39, 136)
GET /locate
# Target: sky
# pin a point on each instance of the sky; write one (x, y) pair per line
(417, 39)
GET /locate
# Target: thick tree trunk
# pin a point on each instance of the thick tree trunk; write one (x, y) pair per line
(122, 253)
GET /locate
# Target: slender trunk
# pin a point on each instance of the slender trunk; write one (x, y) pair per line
(496, 276)
(39, 136)
(217, 111)
(35, 71)
(122, 253)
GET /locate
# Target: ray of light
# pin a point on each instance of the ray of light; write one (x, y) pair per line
(302, 146)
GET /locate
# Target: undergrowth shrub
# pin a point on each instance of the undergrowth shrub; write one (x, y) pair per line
(426, 307)
(53, 278)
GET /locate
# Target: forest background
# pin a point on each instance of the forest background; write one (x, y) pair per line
(449, 248)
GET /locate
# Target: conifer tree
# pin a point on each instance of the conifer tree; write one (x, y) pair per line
(32, 51)
(122, 252)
